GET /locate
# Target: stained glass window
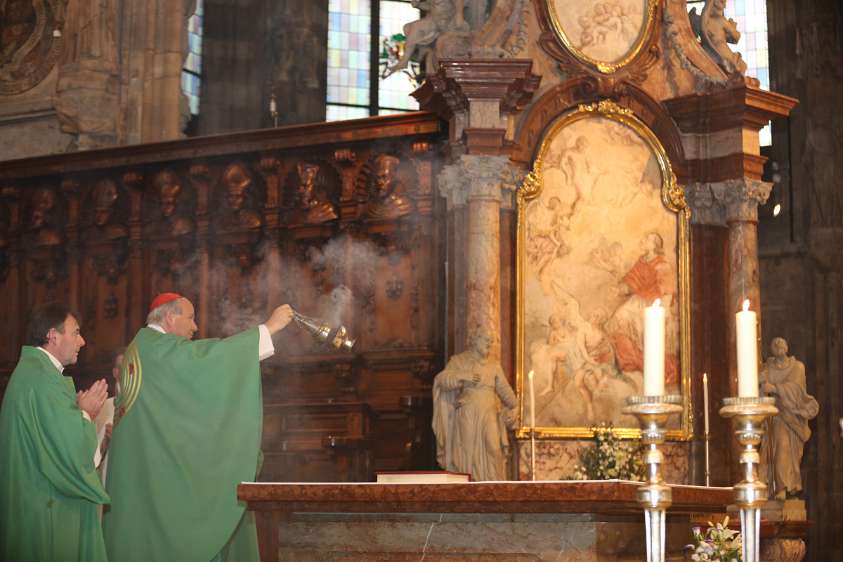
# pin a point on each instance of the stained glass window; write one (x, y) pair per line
(394, 91)
(751, 18)
(192, 71)
(355, 88)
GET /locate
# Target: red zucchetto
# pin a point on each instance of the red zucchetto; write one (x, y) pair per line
(162, 299)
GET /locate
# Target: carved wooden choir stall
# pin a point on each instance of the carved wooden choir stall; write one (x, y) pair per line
(339, 220)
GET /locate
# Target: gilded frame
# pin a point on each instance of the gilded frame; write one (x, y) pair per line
(673, 199)
(604, 67)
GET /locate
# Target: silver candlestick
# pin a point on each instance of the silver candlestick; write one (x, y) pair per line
(655, 497)
(750, 493)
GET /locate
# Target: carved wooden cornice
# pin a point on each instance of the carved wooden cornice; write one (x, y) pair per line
(459, 82)
(258, 141)
(744, 107)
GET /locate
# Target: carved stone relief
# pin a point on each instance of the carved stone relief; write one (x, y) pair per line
(30, 42)
(86, 99)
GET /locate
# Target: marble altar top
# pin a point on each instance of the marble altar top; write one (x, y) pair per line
(601, 497)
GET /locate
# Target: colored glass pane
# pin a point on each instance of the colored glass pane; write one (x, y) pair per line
(192, 69)
(348, 53)
(394, 91)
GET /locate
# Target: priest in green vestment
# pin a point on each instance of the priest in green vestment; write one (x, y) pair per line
(187, 430)
(49, 487)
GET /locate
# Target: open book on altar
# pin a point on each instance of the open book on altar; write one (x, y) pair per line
(422, 477)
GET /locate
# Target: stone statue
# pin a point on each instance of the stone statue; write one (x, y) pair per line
(473, 405)
(440, 16)
(501, 31)
(390, 200)
(237, 183)
(716, 32)
(169, 190)
(313, 202)
(783, 376)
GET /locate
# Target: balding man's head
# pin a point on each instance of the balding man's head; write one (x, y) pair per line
(176, 317)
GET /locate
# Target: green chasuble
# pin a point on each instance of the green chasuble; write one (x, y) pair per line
(187, 430)
(49, 489)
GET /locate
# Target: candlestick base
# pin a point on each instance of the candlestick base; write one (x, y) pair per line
(654, 496)
(749, 414)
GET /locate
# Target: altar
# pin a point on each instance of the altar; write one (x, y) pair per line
(500, 521)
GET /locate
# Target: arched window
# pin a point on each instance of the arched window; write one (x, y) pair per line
(191, 73)
(360, 34)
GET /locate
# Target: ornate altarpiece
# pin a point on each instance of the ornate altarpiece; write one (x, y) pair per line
(630, 107)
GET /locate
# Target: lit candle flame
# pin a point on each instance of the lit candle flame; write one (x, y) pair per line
(745, 305)
(657, 302)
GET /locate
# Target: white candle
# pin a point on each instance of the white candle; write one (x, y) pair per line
(747, 352)
(705, 402)
(272, 106)
(532, 402)
(654, 349)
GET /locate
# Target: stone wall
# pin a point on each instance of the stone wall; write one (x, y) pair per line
(802, 248)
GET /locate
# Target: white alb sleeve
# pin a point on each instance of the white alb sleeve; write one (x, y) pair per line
(266, 348)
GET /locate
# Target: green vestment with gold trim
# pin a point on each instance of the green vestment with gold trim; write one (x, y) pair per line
(187, 431)
(49, 488)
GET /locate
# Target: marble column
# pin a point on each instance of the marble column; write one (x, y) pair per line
(483, 185)
(480, 99)
(743, 196)
(734, 202)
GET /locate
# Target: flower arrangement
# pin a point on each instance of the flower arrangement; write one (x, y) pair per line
(609, 457)
(718, 544)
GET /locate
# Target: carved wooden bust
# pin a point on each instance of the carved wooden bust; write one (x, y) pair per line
(43, 217)
(389, 200)
(170, 193)
(237, 184)
(313, 203)
(105, 220)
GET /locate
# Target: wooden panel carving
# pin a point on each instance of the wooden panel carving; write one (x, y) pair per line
(337, 220)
